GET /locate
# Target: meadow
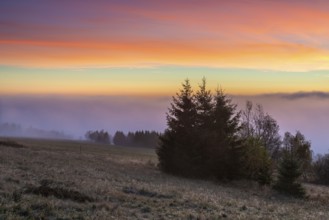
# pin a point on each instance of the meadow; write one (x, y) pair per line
(55, 179)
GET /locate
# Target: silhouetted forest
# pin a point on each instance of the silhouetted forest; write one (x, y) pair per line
(137, 139)
(207, 137)
(149, 139)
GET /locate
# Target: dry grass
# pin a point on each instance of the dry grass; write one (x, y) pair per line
(57, 180)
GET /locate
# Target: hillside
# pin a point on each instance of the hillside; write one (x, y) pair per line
(43, 179)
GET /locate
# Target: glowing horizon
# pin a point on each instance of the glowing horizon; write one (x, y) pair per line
(164, 81)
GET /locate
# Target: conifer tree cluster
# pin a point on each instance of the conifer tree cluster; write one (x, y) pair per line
(202, 135)
(206, 137)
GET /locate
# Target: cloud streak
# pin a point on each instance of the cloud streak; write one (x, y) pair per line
(280, 35)
(300, 95)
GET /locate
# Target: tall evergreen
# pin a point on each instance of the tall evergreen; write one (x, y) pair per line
(204, 128)
(178, 141)
(204, 106)
(226, 149)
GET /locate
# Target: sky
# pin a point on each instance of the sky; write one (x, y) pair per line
(137, 53)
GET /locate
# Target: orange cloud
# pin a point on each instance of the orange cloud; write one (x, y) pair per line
(141, 53)
(281, 35)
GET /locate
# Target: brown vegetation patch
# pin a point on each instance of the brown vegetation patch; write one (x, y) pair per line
(9, 143)
(146, 193)
(11, 180)
(46, 190)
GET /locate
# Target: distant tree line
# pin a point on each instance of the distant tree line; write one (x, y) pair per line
(98, 136)
(207, 137)
(137, 139)
(148, 139)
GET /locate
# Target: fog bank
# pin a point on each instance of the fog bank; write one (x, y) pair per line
(75, 115)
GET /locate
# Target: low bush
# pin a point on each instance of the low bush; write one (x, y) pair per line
(46, 190)
(321, 169)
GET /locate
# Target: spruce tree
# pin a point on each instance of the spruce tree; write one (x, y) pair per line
(178, 142)
(289, 172)
(204, 106)
(226, 148)
(204, 128)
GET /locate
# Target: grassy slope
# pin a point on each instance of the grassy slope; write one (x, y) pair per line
(124, 183)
